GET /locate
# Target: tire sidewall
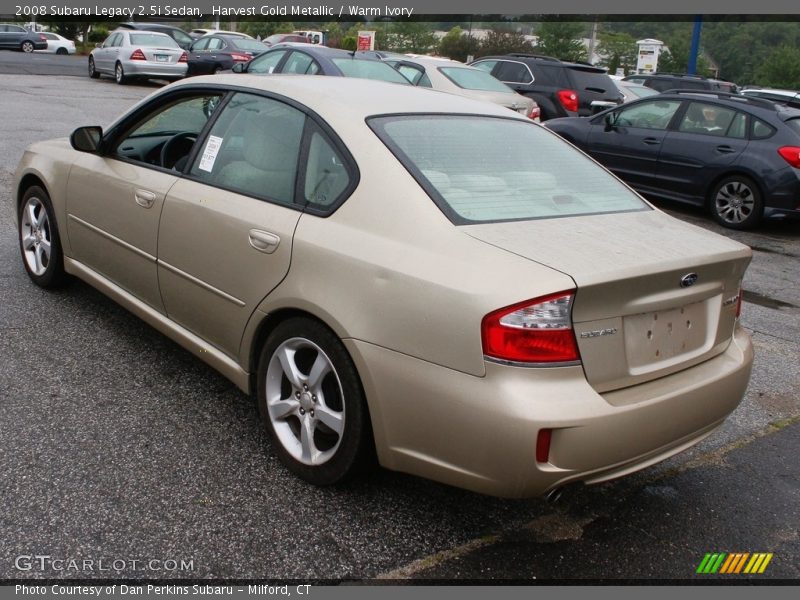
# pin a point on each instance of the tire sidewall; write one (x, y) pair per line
(355, 453)
(758, 204)
(27, 47)
(54, 275)
(119, 74)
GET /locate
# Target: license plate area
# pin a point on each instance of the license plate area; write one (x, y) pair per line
(666, 336)
(162, 58)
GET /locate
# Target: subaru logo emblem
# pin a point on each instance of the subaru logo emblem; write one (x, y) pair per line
(688, 280)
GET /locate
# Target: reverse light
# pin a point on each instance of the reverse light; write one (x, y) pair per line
(184, 58)
(534, 331)
(138, 55)
(568, 99)
(791, 154)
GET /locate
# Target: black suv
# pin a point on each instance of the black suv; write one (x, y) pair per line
(561, 89)
(183, 39)
(662, 82)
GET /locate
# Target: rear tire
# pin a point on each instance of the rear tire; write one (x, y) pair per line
(62, 51)
(39, 241)
(736, 203)
(119, 74)
(27, 47)
(312, 403)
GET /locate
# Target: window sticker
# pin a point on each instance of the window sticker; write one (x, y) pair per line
(210, 153)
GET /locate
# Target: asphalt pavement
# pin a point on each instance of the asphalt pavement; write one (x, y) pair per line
(115, 443)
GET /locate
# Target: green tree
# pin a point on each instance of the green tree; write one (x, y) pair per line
(617, 50)
(676, 58)
(499, 41)
(455, 44)
(410, 36)
(562, 39)
(781, 69)
(265, 29)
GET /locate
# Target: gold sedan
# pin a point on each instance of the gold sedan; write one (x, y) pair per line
(420, 280)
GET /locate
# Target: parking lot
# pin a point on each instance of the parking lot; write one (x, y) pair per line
(119, 445)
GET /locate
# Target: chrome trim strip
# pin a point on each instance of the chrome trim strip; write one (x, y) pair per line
(191, 342)
(113, 238)
(202, 284)
(511, 363)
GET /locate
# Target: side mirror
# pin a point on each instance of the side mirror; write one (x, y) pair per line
(86, 139)
(610, 120)
(240, 67)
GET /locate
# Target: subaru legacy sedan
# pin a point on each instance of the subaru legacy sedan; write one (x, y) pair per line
(396, 281)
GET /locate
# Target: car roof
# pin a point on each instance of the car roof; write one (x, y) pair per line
(147, 31)
(350, 99)
(761, 106)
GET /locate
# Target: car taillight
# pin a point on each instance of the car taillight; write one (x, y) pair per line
(568, 99)
(791, 154)
(138, 55)
(184, 58)
(534, 331)
(42, 38)
(240, 57)
(535, 113)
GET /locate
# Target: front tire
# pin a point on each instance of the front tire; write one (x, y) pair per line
(27, 47)
(119, 74)
(736, 203)
(92, 70)
(312, 404)
(39, 241)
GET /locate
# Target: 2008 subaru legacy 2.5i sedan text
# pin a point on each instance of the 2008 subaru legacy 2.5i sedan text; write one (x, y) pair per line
(420, 278)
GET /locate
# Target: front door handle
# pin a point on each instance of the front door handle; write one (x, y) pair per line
(144, 198)
(264, 241)
(651, 141)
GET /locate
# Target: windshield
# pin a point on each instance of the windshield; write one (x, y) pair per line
(483, 169)
(474, 79)
(153, 39)
(369, 69)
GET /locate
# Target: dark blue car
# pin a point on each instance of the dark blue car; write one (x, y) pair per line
(738, 156)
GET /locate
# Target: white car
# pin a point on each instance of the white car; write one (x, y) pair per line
(58, 44)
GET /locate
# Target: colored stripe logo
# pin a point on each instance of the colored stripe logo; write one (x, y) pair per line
(734, 563)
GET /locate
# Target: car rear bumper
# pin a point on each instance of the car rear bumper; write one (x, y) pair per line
(143, 68)
(480, 433)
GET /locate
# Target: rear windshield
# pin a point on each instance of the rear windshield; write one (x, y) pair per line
(474, 79)
(592, 81)
(794, 124)
(369, 69)
(482, 169)
(149, 39)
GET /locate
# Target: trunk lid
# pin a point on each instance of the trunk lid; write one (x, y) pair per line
(634, 320)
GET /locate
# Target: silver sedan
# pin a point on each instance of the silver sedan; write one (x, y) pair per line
(138, 54)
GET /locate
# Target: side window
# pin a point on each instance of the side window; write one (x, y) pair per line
(485, 65)
(50, 36)
(253, 148)
(413, 74)
(326, 175)
(298, 63)
(514, 72)
(200, 45)
(708, 119)
(738, 128)
(425, 81)
(165, 137)
(215, 44)
(266, 63)
(648, 115)
(761, 130)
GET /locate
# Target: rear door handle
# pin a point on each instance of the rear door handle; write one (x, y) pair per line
(264, 241)
(651, 141)
(144, 198)
(725, 149)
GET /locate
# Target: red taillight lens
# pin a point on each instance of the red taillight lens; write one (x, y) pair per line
(240, 57)
(568, 99)
(138, 55)
(535, 331)
(791, 154)
(42, 38)
(535, 113)
(184, 58)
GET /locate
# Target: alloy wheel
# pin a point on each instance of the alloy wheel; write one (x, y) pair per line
(734, 202)
(36, 236)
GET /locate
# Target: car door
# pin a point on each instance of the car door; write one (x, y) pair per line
(628, 140)
(11, 36)
(225, 238)
(700, 148)
(106, 55)
(115, 197)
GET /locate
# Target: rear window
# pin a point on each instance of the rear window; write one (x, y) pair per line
(794, 125)
(592, 81)
(149, 39)
(474, 79)
(483, 169)
(369, 69)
